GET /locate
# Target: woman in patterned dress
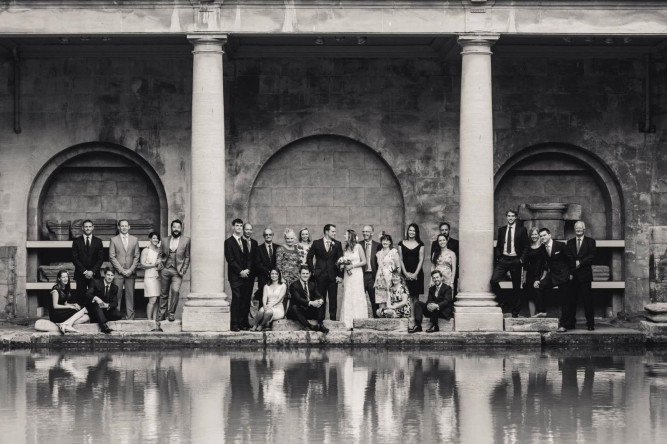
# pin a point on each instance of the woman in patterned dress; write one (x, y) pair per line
(389, 265)
(288, 260)
(444, 260)
(399, 301)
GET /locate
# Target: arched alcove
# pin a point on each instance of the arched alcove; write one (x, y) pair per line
(96, 181)
(326, 179)
(566, 174)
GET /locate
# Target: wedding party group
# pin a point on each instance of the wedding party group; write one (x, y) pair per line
(300, 278)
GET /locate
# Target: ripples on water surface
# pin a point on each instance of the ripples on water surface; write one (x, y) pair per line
(332, 396)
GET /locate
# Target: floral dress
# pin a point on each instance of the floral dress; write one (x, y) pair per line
(446, 264)
(303, 251)
(288, 263)
(389, 265)
(398, 293)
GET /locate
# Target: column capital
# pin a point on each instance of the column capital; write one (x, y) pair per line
(477, 43)
(208, 42)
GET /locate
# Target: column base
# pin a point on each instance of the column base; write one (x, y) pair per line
(206, 312)
(477, 312)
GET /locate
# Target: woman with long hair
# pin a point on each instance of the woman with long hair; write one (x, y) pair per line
(64, 311)
(354, 297)
(272, 301)
(304, 244)
(444, 260)
(150, 261)
(411, 252)
(534, 269)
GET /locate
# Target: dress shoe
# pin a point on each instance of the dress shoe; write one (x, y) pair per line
(105, 329)
(433, 329)
(561, 329)
(172, 318)
(591, 328)
(323, 329)
(515, 315)
(415, 329)
(157, 329)
(235, 328)
(245, 327)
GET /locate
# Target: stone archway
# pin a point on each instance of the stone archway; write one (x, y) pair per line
(562, 173)
(59, 172)
(326, 179)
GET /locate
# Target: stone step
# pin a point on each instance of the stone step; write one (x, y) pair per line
(531, 324)
(654, 330)
(382, 324)
(136, 326)
(290, 325)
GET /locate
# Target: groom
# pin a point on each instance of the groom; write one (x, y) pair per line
(326, 252)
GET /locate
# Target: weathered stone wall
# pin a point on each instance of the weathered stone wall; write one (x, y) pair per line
(7, 280)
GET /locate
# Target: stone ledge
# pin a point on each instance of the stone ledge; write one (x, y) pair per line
(290, 325)
(136, 326)
(603, 336)
(382, 324)
(656, 333)
(531, 324)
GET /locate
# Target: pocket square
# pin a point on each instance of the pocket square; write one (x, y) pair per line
(557, 252)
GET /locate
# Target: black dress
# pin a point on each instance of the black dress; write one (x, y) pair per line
(534, 265)
(411, 260)
(59, 315)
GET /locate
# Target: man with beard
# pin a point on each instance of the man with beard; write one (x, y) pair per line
(175, 257)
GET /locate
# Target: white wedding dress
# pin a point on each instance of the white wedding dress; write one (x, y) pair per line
(354, 297)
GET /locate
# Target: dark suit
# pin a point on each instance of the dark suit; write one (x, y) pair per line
(505, 263)
(237, 261)
(325, 271)
(445, 301)
(98, 314)
(249, 284)
(86, 258)
(452, 244)
(299, 309)
(560, 266)
(583, 277)
(262, 265)
(369, 276)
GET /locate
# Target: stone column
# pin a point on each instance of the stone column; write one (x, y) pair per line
(475, 308)
(207, 308)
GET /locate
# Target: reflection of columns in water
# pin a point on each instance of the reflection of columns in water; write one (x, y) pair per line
(355, 381)
(476, 378)
(13, 420)
(208, 380)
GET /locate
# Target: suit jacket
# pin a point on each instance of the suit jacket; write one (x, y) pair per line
(521, 241)
(585, 257)
(252, 252)
(237, 261)
(123, 259)
(263, 263)
(560, 264)
(452, 244)
(375, 247)
(182, 253)
(444, 299)
(97, 289)
(87, 258)
(298, 295)
(325, 262)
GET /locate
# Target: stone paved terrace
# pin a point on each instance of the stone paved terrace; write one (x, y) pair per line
(15, 336)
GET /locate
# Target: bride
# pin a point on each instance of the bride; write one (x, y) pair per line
(354, 297)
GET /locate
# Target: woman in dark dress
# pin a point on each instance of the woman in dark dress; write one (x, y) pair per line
(64, 313)
(533, 271)
(411, 251)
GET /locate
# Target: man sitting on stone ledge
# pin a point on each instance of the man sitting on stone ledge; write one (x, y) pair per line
(102, 301)
(306, 302)
(438, 305)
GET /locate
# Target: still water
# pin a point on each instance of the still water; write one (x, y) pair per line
(333, 396)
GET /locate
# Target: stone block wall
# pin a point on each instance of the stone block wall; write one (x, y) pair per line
(658, 262)
(7, 280)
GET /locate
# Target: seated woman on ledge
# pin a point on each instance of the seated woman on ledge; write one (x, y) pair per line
(398, 305)
(63, 312)
(272, 300)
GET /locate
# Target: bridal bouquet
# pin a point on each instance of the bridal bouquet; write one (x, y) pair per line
(342, 263)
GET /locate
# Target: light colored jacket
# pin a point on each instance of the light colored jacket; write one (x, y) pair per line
(123, 259)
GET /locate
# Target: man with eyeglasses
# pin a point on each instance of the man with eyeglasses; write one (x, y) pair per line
(265, 261)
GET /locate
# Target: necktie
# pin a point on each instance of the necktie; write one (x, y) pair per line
(106, 293)
(327, 245)
(368, 256)
(241, 244)
(87, 242)
(125, 241)
(509, 240)
(247, 244)
(270, 252)
(578, 244)
(305, 287)
(549, 249)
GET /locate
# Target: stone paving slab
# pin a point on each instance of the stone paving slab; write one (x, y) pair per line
(290, 325)
(603, 336)
(656, 333)
(531, 324)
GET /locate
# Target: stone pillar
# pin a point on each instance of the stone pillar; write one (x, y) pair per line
(475, 308)
(207, 308)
